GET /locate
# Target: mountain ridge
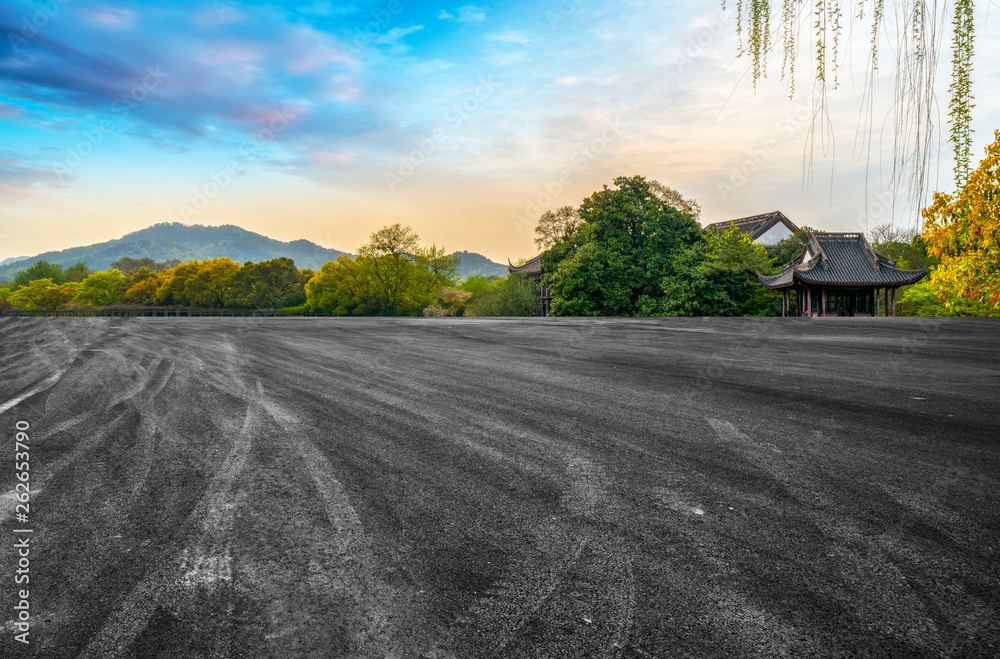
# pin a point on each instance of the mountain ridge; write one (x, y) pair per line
(172, 240)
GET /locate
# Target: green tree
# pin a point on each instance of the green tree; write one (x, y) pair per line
(78, 272)
(687, 289)
(266, 285)
(921, 299)
(790, 248)
(474, 284)
(516, 295)
(390, 254)
(41, 270)
(619, 253)
(343, 287)
(101, 289)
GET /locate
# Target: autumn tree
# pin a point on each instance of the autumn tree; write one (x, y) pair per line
(43, 294)
(963, 230)
(209, 285)
(171, 289)
(142, 284)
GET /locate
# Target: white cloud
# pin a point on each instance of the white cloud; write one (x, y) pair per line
(113, 18)
(393, 39)
(445, 16)
(431, 66)
(471, 14)
(510, 36)
(569, 81)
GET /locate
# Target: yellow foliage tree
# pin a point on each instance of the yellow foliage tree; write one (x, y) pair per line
(963, 230)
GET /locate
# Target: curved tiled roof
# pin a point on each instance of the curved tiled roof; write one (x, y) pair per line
(754, 225)
(843, 259)
(530, 267)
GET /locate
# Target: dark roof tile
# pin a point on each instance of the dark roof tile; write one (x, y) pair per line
(843, 259)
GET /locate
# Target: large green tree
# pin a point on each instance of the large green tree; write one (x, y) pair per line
(41, 270)
(267, 284)
(101, 289)
(614, 261)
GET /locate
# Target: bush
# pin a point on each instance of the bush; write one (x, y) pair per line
(514, 296)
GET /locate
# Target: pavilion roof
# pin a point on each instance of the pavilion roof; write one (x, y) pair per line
(753, 225)
(842, 259)
(532, 267)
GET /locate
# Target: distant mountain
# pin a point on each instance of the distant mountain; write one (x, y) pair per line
(166, 241)
(477, 264)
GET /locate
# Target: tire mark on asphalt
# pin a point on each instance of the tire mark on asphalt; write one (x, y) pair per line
(353, 576)
(46, 384)
(207, 563)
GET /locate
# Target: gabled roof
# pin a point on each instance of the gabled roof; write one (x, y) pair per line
(842, 259)
(533, 267)
(754, 225)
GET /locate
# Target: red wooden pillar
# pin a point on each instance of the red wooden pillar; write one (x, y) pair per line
(822, 300)
(809, 301)
(894, 303)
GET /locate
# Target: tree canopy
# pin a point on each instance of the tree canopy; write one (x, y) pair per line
(391, 276)
(614, 259)
(963, 230)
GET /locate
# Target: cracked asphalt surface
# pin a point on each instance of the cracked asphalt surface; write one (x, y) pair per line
(450, 488)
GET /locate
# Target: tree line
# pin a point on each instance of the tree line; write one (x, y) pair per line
(634, 249)
(393, 275)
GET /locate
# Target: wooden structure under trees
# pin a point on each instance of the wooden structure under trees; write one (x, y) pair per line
(532, 269)
(839, 274)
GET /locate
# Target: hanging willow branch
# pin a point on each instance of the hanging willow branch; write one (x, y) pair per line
(960, 106)
(918, 26)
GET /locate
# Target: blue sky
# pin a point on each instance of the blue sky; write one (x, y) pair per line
(328, 120)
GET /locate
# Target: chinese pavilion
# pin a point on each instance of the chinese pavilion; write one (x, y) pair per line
(839, 274)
